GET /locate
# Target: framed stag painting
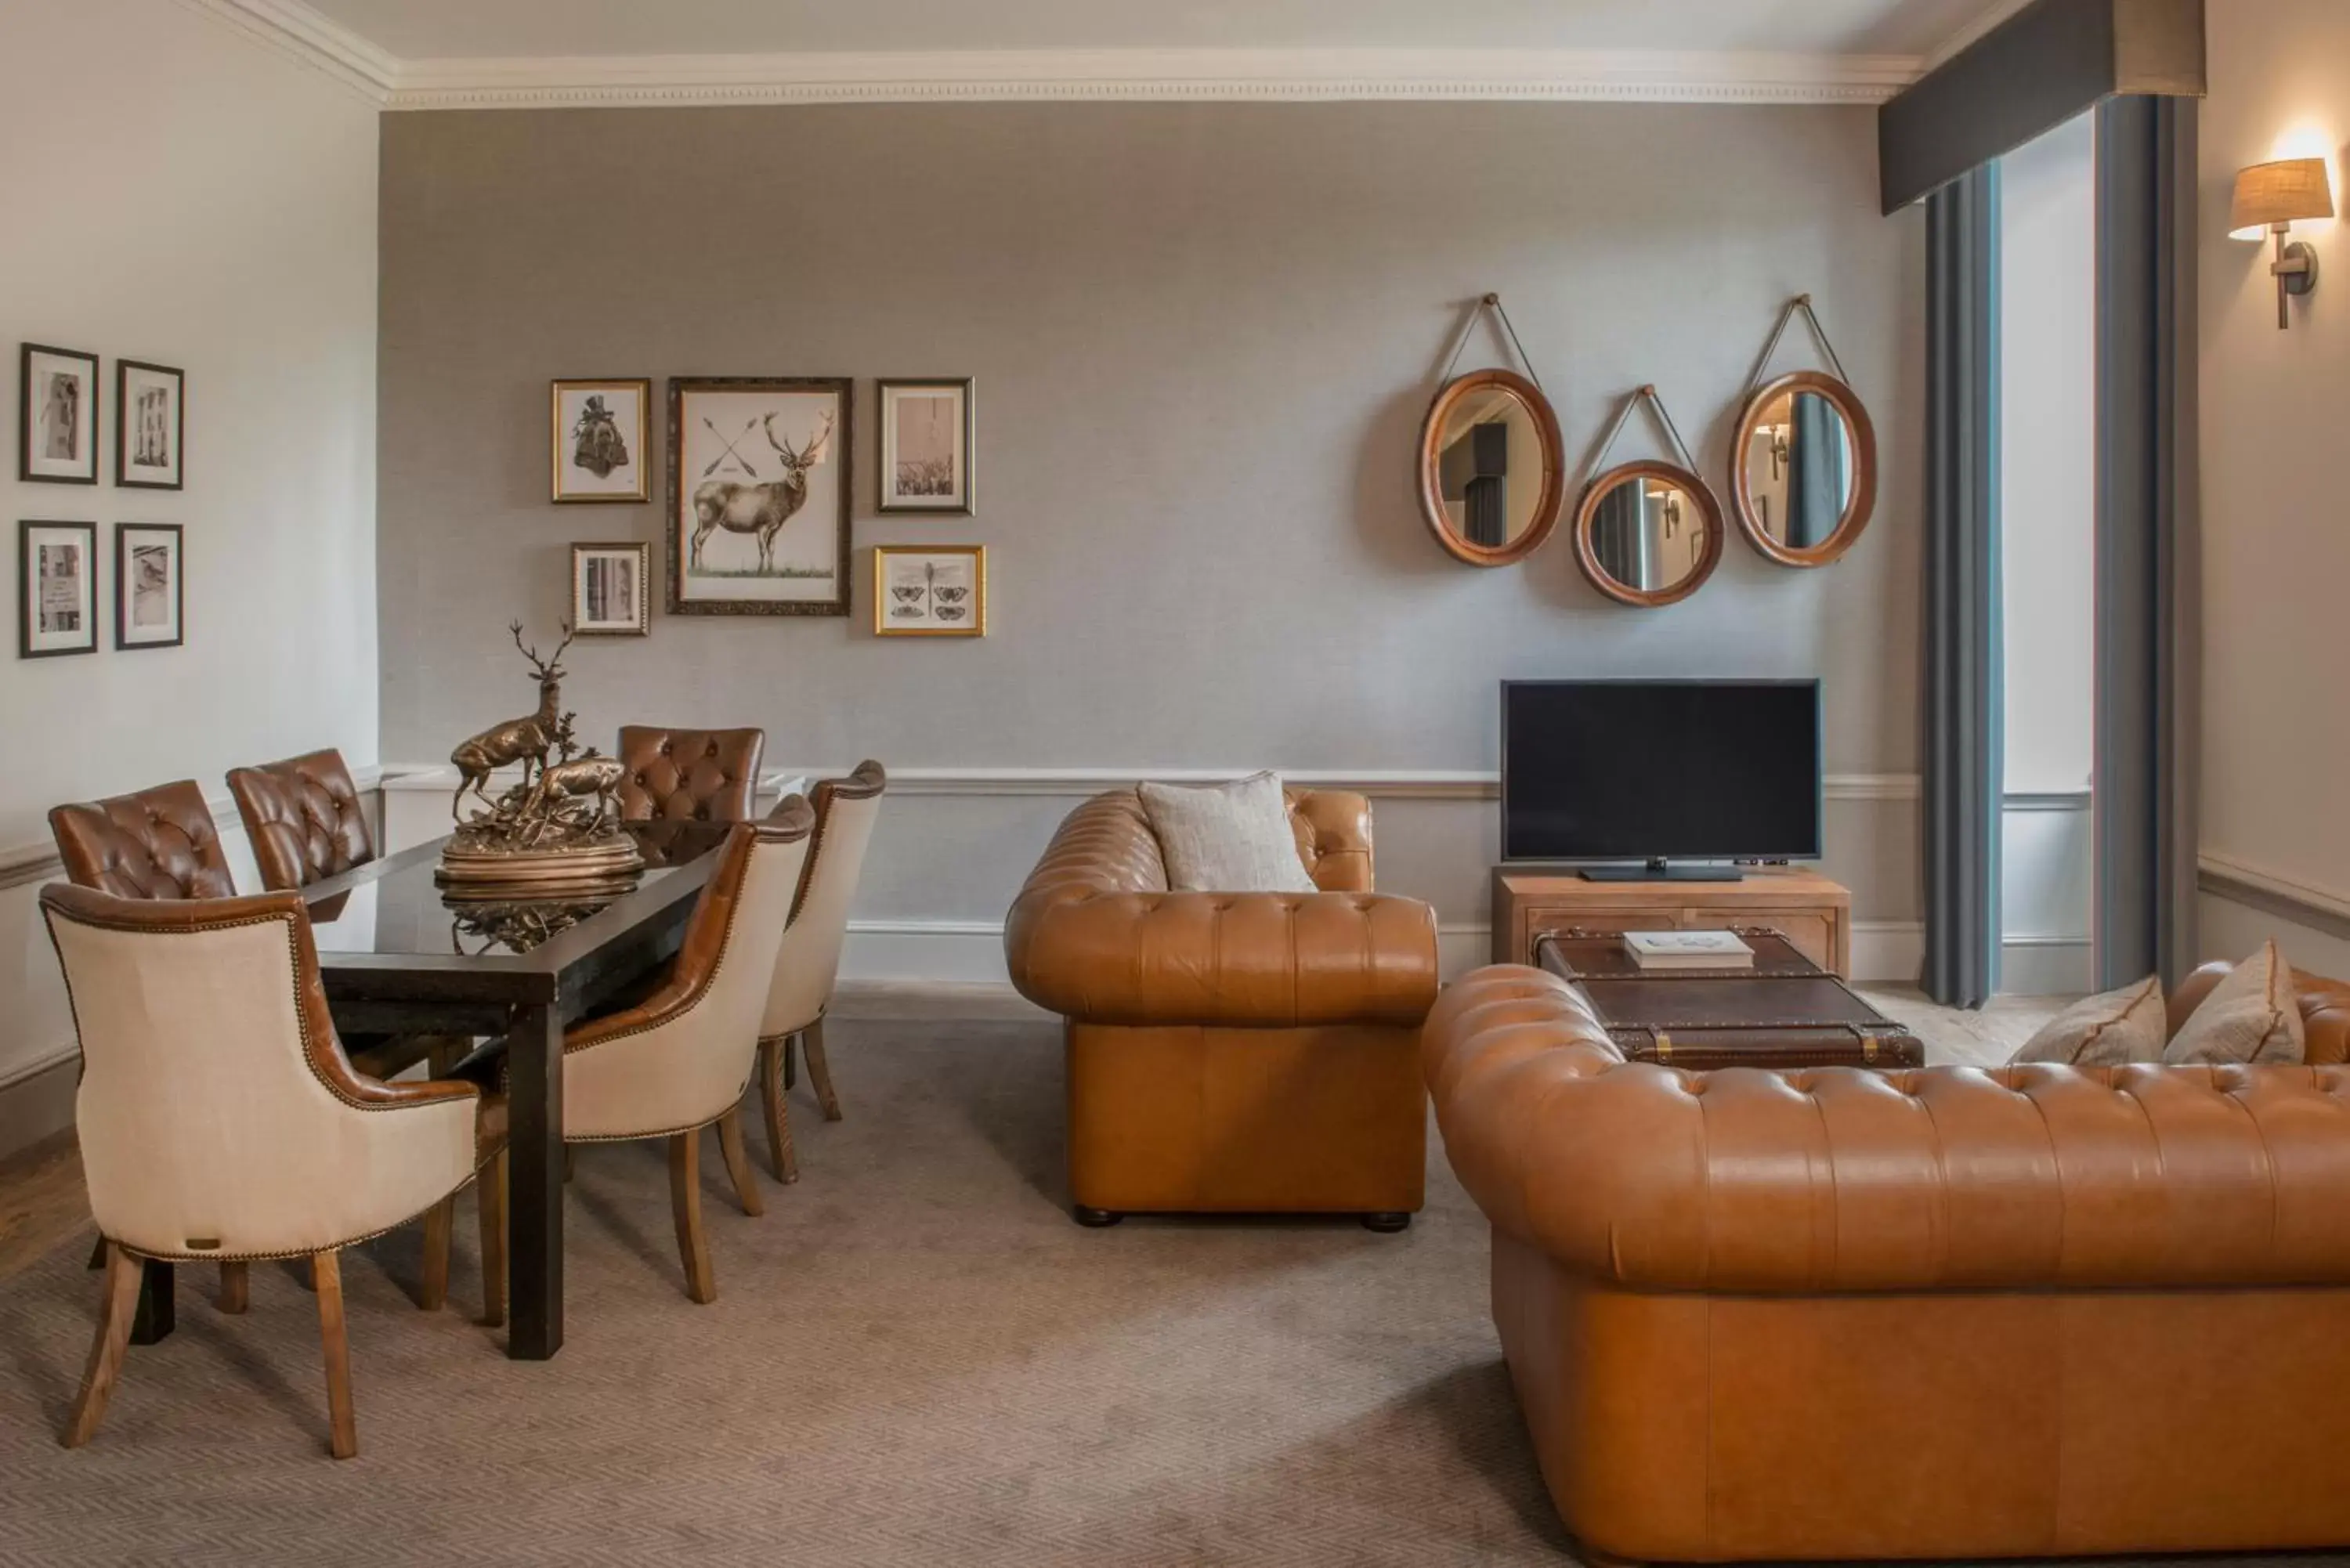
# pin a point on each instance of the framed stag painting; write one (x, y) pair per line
(758, 495)
(599, 440)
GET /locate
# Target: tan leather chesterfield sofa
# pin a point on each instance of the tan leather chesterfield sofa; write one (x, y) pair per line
(1236, 1053)
(1944, 1312)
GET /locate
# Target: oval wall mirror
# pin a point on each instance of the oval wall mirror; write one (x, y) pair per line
(1493, 468)
(1649, 534)
(1804, 477)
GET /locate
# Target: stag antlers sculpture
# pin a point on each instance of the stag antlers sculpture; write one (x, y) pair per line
(524, 740)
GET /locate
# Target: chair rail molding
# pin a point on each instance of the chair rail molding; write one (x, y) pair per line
(2224, 876)
(1379, 783)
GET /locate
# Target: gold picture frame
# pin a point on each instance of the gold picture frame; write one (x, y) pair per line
(585, 437)
(929, 590)
(611, 589)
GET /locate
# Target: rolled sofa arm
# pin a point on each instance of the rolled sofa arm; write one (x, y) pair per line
(1841, 1179)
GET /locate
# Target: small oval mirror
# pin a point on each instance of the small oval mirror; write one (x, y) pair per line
(1649, 534)
(1492, 468)
(1803, 474)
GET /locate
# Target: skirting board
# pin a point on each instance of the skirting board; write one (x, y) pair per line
(970, 952)
(38, 1102)
(2044, 966)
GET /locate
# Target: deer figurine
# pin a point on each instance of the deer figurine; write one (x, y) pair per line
(586, 776)
(759, 509)
(524, 740)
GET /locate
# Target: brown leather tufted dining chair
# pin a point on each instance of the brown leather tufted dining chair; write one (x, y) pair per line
(158, 843)
(305, 818)
(697, 776)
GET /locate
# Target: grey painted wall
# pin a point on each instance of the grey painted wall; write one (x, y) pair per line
(1203, 336)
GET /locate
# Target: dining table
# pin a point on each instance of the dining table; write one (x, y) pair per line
(399, 954)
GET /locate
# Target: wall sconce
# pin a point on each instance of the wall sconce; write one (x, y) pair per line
(2269, 199)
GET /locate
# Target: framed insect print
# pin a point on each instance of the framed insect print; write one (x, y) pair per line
(151, 425)
(925, 446)
(758, 495)
(607, 589)
(929, 590)
(57, 573)
(598, 439)
(149, 597)
(58, 435)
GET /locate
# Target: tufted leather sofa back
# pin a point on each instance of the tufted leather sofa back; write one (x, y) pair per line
(305, 818)
(700, 775)
(159, 842)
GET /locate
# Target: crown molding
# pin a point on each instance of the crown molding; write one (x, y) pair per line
(1149, 76)
(293, 31)
(1965, 37)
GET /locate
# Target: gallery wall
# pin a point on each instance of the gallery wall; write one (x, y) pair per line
(175, 193)
(2276, 841)
(1203, 337)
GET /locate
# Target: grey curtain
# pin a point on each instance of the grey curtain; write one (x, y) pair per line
(1965, 669)
(2148, 523)
(1815, 470)
(1619, 534)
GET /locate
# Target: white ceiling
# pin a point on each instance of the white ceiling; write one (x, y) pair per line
(446, 30)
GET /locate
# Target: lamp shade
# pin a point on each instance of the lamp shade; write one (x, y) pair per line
(2281, 193)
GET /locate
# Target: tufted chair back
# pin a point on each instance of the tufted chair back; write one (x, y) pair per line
(157, 844)
(1334, 837)
(809, 961)
(699, 775)
(305, 818)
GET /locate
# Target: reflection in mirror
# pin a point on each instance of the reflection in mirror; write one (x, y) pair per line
(1799, 469)
(1492, 468)
(1649, 534)
(1489, 500)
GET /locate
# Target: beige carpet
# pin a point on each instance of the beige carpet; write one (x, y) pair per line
(914, 1358)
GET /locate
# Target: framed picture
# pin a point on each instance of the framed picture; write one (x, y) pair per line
(151, 424)
(57, 566)
(926, 446)
(758, 495)
(58, 388)
(598, 439)
(929, 590)
(149, 597)
(607, 589)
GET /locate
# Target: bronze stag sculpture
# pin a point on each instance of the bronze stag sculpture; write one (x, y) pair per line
(758, 509)
(524, 740)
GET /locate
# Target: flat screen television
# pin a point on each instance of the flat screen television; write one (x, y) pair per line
(1657, 771)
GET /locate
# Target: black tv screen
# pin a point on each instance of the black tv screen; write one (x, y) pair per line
(1652, 770)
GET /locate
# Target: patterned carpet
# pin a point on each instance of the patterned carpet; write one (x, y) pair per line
(915, 1357)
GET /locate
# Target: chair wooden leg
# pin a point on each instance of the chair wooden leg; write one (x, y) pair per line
(785, 1159)
(490, 1193)
(820, 1070)
(327, 1270)
(123, 1273)
(685, 1207)
(791, 1067)
(439, 1220)
(738, 1165)
(445, 1052)
(236, 1287)
(97, 1252)
(571, 1161)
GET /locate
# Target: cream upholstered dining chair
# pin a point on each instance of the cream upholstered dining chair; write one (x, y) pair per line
(678, 1061)
(220, 1120)
(809, 961)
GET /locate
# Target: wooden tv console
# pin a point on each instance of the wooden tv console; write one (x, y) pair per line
(1805, 906)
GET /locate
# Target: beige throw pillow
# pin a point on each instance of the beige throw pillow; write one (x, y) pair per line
(2125, 1025)
(2251, 1017)
(1227, 838)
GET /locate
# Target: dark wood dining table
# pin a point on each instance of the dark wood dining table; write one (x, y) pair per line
(397, 956)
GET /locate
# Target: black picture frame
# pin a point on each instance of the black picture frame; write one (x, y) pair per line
(678, 545)
(886, 498)
(123, 423)
(26, 590)
(124, 587)
(26, 414)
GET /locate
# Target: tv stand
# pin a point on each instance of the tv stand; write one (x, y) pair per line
(1660, 870)
(1808, 909)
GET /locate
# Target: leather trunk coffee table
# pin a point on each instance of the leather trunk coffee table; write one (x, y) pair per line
(1786, 1012)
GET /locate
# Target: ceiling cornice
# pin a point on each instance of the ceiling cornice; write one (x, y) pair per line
(295, 30)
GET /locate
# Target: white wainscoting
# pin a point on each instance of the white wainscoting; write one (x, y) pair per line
(2044, 911)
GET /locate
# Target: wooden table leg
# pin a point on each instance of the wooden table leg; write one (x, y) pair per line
(158, 1311)
(534, 1142)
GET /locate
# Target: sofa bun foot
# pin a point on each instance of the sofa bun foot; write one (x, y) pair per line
(1093, 1219)
(1386, 1224)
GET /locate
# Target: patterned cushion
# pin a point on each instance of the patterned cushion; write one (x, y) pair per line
(2251, 1017)
(1228, 838)
(2125, 1025)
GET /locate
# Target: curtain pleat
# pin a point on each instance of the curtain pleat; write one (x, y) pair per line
(1965, 762)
